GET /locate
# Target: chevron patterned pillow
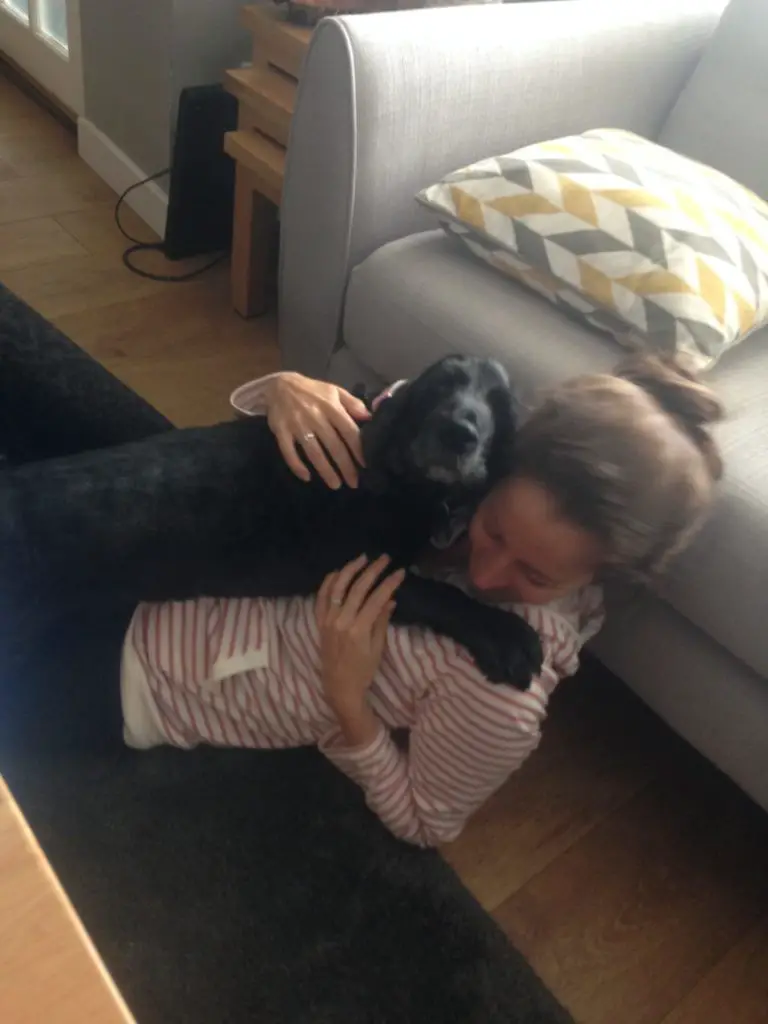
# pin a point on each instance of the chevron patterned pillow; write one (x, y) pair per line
(654, 248)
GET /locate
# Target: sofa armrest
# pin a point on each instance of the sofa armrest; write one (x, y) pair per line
(390, 102)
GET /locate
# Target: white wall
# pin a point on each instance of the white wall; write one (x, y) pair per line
(138, 55)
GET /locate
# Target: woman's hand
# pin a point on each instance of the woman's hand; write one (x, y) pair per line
(353, 610)
(322, 419)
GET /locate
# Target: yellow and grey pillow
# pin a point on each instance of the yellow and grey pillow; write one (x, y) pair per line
(658, 250)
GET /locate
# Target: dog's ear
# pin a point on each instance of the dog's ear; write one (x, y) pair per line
(501, 454)
(382, 441)
(359, 391)
(498, 371)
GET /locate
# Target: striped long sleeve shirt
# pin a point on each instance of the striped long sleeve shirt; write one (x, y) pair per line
(246, 673)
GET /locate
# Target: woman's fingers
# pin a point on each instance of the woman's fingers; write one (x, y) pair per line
(330, 441)
(381, 625)
(316, 422)
(287, 445)
(336, 446)
(369, 594)
(360, 586)
(358, 594)
(348, 430)
(305, 434)
(379, 599)
(340, 590)
(308, 435)
(323, 599)
(354, 406)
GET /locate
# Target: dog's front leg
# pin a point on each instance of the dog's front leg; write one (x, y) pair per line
(505, 648)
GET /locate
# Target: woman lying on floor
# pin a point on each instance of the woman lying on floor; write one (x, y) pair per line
(613, 475)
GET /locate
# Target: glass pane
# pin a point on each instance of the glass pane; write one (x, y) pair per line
(20, 6)
(53, 19)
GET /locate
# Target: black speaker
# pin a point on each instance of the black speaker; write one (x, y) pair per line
(201, 192)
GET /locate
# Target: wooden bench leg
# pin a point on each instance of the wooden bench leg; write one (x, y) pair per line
(253, 247)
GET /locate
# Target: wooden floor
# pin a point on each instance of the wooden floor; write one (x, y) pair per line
(180, 345)
(631, 874)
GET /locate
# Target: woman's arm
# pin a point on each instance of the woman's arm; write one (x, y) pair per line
(353, 611)
(469, 735)
(468, 738)
(309, 418)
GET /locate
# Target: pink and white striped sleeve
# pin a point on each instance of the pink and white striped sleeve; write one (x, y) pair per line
(469, 736)
(250, 399)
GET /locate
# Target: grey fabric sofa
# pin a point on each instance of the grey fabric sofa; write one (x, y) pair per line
(369, 291)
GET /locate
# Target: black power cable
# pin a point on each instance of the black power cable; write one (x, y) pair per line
(139, 246)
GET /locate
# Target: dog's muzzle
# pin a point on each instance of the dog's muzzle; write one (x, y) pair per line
(451, 453)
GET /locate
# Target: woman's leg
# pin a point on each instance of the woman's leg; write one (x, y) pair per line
(170, 517)
(54, 398)
(59, 649)
(62, 693)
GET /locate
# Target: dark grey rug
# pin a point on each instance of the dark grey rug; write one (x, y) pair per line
(230, 887)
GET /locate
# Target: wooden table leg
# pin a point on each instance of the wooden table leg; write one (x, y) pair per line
(253, 246)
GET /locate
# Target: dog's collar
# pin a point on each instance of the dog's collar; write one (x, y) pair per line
(386, 394)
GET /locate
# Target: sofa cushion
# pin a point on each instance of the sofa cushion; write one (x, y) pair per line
(422, 297)
(721, 582)
(721, 116)
(656, 249)
(418, 298)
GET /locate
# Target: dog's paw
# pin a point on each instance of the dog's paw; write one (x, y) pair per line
(505, 648)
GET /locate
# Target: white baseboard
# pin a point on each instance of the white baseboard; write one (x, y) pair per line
(120, 172)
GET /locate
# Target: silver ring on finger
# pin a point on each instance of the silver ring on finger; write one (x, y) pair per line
(309, 436)
(337, 602)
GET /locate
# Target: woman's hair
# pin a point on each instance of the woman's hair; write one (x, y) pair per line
(629, 457)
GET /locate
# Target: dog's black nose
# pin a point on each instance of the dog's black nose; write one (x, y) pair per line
(458, 435)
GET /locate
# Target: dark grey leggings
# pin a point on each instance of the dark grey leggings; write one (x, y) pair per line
(54, 399)
(59, 651)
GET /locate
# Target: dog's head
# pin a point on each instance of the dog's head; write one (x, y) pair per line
(452, 425)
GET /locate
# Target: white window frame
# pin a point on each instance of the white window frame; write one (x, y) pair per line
(57, 69)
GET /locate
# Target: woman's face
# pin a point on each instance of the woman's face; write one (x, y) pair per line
(522, 549)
